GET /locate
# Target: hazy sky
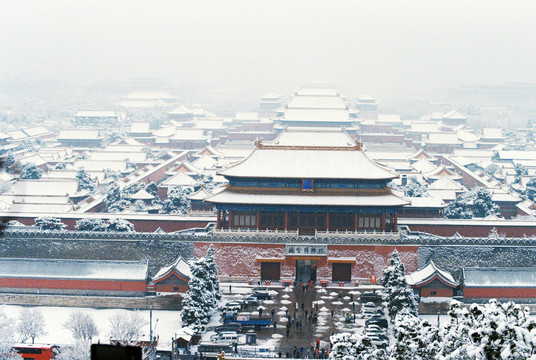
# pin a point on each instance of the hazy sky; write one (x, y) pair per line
(380, 47)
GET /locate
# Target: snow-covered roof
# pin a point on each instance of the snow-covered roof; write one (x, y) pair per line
(492, 133)
(443, 138)
(427, 273)
(499, 277)
(317, 102)
(271, 96)
(142, 195)
(319, 137)
(445, 183)
(73, 269)
(96, 113)
(361, 198)
(445, 195)
(36, 131)
(188, 134)
(35, 159)
(52, 208)
(424, 166)
(117, 156)
(308, 163)
(426, 202)
(100, 165)
(44, 187)
(180, 179)
(317, 115)
(181, 110)
(454, 115)
(78, 135)
(200, 194)
(140, 127)
(205, 162)
(517, 155)
(179, 265)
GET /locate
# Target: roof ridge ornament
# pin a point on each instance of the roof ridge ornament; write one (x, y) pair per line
(259, 144)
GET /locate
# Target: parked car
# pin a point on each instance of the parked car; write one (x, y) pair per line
(225, 337)
(262, 296)
(232, 306)
(259, 289)
(230, 327)
(371, 297)
(379, 342)
(377, 320)
(251, 301)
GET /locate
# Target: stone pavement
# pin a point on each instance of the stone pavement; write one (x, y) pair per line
(320, 301)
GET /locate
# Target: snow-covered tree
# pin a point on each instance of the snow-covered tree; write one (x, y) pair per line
(10, 160)
(414, 188)
(346, 346)
(176, 202)
(491, 169)
(459, 209)
(530, 189)
(115, 199)
(521, 170)
(120, 225)
(31, 324)
(85, 181)
(152, 189)
(50, 223)
(204, 181)
(31, 171)
(81, 325)
(126, 328)
(210, 263)
(7, 337)
(111, 174)
(397, 293)
(200, 299)
(414, 338)
(483, 205)
(491, 331)
(91, 225)
(79, 350)
(60, 166)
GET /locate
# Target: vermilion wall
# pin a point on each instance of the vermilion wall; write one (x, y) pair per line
(241, 259)
(502, 293)
(139, 286)
(473, 230)
(439, 292)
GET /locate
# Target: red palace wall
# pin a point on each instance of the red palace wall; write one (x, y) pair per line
(472, 230)
(499, 293)
(139, 286)
(242, 259)
(439, 292)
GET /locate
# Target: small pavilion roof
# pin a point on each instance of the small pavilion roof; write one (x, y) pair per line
(427, 273)
(200, 194)
(180, 179)
(179, 265)
(142, 195)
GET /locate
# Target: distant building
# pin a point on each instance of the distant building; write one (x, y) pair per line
(498, 283)
(96, 118)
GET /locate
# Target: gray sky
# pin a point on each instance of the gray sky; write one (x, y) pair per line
(384, 48)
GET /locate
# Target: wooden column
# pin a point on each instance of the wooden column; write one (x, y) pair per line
(327, 221)
(355, 222)
(230, 219)
(258, 220)
(286, 220)
(218, 224)
(395, 221)
(383, 222)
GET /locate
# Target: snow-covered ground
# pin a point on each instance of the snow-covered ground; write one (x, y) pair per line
(55, 317)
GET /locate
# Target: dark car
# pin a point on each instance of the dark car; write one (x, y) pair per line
(258, 289)
(371, 297)
(228, 327)
(262, 296)
(377, 320)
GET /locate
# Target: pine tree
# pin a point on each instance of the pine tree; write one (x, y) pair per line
(483, 205)
(212, 268)
(120, 225)
(397, 293)
(198, 303)
(50, 223)
(91, 225)
(31, 171)
(10, 160)
(414, 338)
(346, 346)
(85, 181)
